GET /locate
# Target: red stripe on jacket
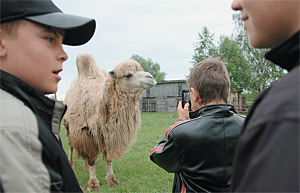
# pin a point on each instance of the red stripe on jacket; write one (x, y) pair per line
(183, 188)
(173, 126)
(156, 149)
(167, 132)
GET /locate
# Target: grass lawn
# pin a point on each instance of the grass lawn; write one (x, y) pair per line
(135, 171)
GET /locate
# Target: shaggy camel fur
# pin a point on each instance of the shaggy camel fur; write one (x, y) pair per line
(103, 112)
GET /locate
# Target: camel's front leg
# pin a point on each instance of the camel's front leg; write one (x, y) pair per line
(110, 177)
(93, 181)
(71, 160)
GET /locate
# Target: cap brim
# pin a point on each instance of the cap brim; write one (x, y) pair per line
(78, 30)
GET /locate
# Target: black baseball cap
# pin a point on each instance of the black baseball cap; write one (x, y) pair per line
(78, 30)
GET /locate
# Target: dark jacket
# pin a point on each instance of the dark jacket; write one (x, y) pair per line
(200, 151)
(26, 145)
(267, 157)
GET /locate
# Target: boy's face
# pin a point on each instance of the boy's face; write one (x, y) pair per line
(269, 22)
(34, 55)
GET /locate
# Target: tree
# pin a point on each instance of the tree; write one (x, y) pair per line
(237, 65)
(229, 52)
(263, 72)
(248, 69)
(149, 66)
(205, 47)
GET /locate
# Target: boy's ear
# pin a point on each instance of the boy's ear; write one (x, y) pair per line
(196, 96)
(2, 45)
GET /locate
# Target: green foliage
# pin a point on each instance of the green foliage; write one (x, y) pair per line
(228, 51)
(205, 47)
(248, 69)
(149, 66)
(263, 72)
(237, 65)
(135, 171)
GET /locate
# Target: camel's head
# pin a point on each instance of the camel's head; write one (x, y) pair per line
(130, 76)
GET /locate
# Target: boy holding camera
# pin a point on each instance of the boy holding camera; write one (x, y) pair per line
(200, 150)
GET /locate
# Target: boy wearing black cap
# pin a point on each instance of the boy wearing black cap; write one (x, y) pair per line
(31, 55)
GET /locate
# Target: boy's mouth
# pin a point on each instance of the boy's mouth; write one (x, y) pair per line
(244, 18)
(58, 71)
(56, 74)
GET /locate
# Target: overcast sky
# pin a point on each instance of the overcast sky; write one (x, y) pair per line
(163, 30)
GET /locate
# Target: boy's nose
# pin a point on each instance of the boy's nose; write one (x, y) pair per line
(63, 56)
(236, 5)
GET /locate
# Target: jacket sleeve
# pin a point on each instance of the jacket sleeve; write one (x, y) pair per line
(165, 153)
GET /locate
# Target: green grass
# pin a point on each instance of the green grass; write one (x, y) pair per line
(135, 171)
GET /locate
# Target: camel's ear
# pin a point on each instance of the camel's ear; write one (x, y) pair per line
(112, 74)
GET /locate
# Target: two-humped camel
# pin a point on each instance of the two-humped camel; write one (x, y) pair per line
(103, 112)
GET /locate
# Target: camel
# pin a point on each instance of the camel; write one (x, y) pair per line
(103, 113)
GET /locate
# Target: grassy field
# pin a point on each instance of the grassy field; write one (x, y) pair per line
(135, 171)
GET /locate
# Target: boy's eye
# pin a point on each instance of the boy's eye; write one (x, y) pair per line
(49, 39)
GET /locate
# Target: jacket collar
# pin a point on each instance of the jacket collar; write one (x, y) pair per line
(47, 109)
(224, 109)
(286, 54)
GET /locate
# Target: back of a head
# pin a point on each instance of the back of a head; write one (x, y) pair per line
(211, 79)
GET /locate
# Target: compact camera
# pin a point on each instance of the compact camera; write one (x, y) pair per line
(186, 98)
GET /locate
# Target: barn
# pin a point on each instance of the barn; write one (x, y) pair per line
(165, 96)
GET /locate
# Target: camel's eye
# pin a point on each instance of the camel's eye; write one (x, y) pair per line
(128, 75)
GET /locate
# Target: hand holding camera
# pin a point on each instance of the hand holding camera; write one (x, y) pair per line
(184, 106)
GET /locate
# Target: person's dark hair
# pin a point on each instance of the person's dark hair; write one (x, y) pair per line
(211, 79)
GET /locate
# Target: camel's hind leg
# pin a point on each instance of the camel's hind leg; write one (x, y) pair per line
(93, 181)
(110, 176)
(86, 165)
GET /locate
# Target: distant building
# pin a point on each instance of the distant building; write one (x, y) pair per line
(164, 97)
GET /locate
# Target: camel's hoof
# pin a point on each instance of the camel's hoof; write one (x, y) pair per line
(93, 185)
(111, 180)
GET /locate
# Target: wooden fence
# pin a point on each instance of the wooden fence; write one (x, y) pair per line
(159, 104)
(243, 106)
(169, 104)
